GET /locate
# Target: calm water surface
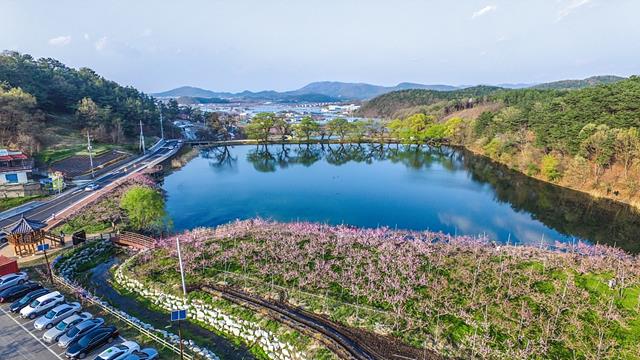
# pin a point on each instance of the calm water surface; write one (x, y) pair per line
(388, 185)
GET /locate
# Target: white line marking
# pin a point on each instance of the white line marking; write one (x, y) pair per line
(29, 332)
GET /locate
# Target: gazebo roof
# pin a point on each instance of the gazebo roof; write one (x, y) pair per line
(23, 226)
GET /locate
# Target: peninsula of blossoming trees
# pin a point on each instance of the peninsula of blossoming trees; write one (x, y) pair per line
(458, 295)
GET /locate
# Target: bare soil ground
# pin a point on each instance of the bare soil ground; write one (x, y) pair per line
(80, 164)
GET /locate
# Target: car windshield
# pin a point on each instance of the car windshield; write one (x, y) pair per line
(61, 325)
(50, 314)
(35, 303)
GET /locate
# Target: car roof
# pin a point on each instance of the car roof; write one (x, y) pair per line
(48, 296)
(62, 306)
(72, 318)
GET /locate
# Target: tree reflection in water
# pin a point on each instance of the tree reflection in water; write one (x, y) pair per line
(571, 213)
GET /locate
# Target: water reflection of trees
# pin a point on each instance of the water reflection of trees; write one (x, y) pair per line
(267, 158)
(219, 157)
(569, 212)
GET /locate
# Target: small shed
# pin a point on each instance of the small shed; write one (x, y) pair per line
(8, 265)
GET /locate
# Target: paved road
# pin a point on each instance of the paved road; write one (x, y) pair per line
(67, 198)
(16, 342)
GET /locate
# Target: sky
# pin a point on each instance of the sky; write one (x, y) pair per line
(237, 45)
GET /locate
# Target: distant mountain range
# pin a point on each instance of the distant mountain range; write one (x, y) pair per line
(333, 91)
(323, 91)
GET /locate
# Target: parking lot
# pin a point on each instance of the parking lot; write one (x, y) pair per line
(20, 340)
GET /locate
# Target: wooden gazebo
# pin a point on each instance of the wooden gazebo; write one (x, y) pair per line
(25, 235)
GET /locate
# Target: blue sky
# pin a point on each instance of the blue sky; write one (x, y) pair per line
(260, 44)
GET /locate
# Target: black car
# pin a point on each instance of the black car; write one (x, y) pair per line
(18, 291)
(91, 341)
(27, 299)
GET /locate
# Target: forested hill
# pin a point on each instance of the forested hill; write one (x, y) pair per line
(579, 84)
(388, 105)
(37, 93)
(586, 139)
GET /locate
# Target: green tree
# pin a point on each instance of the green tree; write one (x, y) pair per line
(598, 142)
(20, 119)
(282, 126)
(306, 128)
(144, 207)
(550, 167)
(88, 113)
(340, 126)
(627, 147)
(260, 126)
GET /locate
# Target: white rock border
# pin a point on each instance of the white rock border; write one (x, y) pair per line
(67, 270)
(208, 314)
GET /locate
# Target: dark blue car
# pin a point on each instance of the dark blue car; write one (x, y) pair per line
(92, 340)
(18, 291)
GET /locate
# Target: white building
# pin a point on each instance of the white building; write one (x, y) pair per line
(14, 167)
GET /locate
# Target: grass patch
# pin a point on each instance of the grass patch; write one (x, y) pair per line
(8, 203)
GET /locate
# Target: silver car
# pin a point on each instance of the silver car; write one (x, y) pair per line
(55, 315)
(52, 335)
(9, 280)
(78, 330)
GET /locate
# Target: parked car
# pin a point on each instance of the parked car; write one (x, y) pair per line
(144, 354)
(119, 351)
(53, 335)
(78, 331)
(91, 341)
(57, 314)
(27, 299)
(15, 292)
(9, 280)
(41, 305)
(92, 187)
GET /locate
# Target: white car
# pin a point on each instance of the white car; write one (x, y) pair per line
(92, 187)
(78, 330)
(52, 335)
(9, 280)
(144, 354)
(119, 351)
(55, 315)
(41, 305)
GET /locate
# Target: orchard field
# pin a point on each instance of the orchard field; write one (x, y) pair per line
(459, 295)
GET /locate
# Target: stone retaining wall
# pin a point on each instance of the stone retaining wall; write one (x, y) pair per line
(249, 332)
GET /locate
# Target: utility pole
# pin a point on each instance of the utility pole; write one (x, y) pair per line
(142, 145)
(161, 125)
(90, 149)
(184, 293)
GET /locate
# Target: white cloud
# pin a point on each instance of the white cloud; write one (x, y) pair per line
(101, 44)
(147, 32)
(485, 10)
(86, 36)
(60, 41)
(571, 6)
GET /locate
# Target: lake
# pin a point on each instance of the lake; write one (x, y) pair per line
(372, 185)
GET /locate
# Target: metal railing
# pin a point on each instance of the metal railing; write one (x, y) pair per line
(151, 335)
